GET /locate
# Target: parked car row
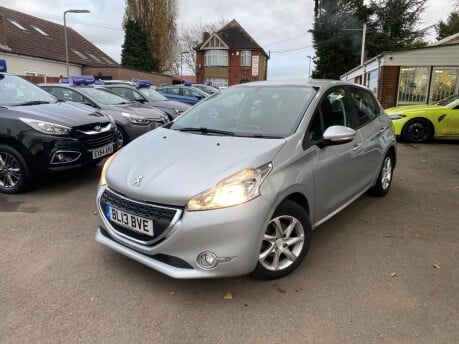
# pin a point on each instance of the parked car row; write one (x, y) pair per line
(40, 134)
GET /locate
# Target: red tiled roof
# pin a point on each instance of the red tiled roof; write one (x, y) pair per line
(30, 42)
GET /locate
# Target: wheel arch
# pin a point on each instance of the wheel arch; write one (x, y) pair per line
(425, 119)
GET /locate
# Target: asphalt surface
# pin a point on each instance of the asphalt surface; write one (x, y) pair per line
(385, 270)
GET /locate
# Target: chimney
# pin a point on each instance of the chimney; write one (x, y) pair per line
(205, 36)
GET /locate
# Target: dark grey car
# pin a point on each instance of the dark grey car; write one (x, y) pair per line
(241, 179)
(149, 96)
(132, 119)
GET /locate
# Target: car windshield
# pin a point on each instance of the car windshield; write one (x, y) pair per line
(207, 89)
(258, 111)
(18, 91)
(103, 96)
(151, 94)
(449, 100)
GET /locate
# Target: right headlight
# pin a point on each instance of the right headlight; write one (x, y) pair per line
(239, 188)
(46, 127)
(136, 119)
(396, 116)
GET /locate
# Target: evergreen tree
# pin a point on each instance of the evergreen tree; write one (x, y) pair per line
(158, 20)
(135, 53)
(337, 36)
(450, 27)
(394, 25)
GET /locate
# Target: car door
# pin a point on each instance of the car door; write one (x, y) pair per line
(336, 174)
(452, 124)
(372, 128)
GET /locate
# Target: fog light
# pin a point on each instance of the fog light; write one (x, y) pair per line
(207, 260)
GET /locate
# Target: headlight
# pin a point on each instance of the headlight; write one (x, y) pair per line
(395, 117)
(46, 127)
(136, 119)
(239, 188)
(107, 163)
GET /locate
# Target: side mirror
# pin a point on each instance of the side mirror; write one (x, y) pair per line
(337, 134)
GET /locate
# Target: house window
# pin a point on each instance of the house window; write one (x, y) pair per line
(94, 57)
(246, 58)
(219, 82)
(216, 58)
(412, 87)
(39, 30)
(15, 23)
(79, 54)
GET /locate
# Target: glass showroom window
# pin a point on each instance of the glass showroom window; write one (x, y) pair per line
(412, 87)
(246, 58)
(216, 58)
(373, 81)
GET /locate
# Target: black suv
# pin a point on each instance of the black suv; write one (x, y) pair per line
(38, 134)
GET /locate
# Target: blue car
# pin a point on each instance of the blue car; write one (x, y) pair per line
(181, 93)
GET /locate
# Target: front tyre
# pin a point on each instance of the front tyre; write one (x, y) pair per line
(417, 130)
(13, 171)
(384, 181)
(286, 241)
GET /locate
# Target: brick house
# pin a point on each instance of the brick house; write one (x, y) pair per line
(412, 76)
(35, 49)
(230, 56)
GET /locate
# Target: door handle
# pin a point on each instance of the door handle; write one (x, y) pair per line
(357, 146)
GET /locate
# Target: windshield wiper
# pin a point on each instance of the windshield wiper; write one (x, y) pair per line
(208, 131)
(33, 102)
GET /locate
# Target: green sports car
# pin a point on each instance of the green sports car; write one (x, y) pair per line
(419, 123)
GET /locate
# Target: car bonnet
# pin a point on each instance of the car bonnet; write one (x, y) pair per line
(62, 113)
(174, 166)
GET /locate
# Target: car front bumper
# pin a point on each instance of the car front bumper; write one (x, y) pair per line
(233, 234)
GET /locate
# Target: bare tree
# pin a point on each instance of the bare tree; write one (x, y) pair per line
(191, 36)
(158, 20)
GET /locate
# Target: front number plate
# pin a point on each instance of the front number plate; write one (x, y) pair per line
(100, 152)
(133, 222)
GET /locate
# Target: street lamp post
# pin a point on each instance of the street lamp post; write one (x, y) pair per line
(362, 53)
(181, 58)
(65, 37)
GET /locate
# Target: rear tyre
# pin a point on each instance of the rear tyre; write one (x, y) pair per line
(286, 241)
(13, 171)
(417, 130)
(384, 181)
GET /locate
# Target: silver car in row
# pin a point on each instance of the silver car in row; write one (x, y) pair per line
(237, 184)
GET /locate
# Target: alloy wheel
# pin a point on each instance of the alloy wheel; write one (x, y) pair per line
(386, 173)
(282, 243)
(10, 170)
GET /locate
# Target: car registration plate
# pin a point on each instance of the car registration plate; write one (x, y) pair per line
(100, 152)
(133, 222)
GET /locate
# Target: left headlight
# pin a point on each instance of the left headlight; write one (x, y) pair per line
(239, 188)
(397, 116)
(136, 119)
(46, 127)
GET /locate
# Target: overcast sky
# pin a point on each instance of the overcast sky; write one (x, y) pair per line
(279, 26)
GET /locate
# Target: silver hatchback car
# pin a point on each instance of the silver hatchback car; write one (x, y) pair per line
(237, 184)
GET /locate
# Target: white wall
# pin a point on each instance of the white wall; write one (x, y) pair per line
(22, 64)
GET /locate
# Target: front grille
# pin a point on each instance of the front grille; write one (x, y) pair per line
(97, 140)
(162, 217)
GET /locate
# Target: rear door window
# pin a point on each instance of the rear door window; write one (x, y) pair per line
(364, 105)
